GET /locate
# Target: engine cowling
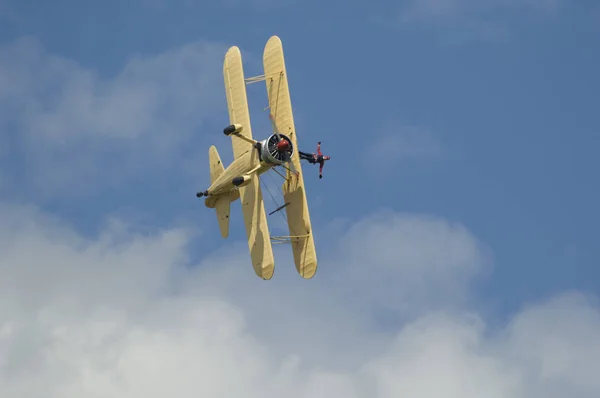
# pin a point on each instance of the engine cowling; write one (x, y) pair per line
(242, 180)
(233, 128)
(274, 151)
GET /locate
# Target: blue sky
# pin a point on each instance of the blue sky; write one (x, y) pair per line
(463, 138)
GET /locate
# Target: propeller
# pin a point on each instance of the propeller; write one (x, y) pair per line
(280, 148)
(274, 124)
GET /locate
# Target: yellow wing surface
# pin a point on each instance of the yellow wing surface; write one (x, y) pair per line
(223, 203)
(280, 105)
(255, 220)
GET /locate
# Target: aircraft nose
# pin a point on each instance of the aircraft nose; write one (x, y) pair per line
(283, 145)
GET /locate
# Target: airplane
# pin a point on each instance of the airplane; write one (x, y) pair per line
(252, 158)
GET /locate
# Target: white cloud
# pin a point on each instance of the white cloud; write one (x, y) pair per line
(399, 143)
(557, 345)
(124, 315)
(425, 9)
(65, 124)
(409, 262)
(195, 6)
(6, 11)
(467, 19)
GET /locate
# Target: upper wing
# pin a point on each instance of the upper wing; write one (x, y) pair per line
(237, 100)
(280, 105)
(255, 220)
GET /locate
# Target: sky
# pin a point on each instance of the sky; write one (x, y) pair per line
(455, 225)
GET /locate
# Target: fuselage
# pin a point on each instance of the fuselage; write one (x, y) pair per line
(247, 164)
(260, 157)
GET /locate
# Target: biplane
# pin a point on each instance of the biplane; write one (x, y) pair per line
(252, 158)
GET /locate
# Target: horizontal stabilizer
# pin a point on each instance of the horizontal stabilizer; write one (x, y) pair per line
(223, 207)
(216, 166)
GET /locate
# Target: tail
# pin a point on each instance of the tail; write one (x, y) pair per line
(216, 166)
(223, 202)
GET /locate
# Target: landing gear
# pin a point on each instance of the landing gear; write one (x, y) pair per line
(201, 194)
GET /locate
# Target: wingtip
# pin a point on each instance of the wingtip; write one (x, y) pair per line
(232, 54)
(266, 272)
(225, 233)
(310, 273)
(273, 42)
(233, 49)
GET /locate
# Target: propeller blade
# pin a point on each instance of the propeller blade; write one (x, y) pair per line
(274, 125)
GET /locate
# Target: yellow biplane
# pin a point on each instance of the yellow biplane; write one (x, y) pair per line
(241, 179)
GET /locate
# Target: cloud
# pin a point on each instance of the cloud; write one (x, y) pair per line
(557, 345)
(65, 124)
(410, 262)
(225, 4)
(455, 8)
(467, 19)
(401, 143)
(456, 356)
(6, 10)
(130, 314)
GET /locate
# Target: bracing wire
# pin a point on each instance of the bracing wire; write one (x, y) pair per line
(283, 213)
(266, 187)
